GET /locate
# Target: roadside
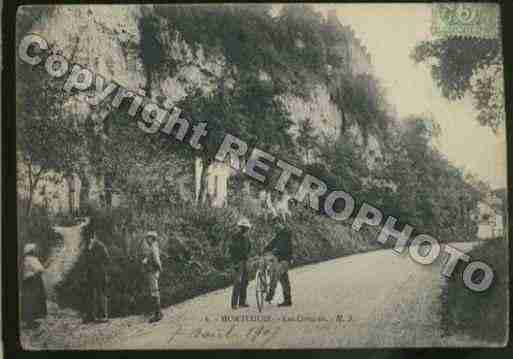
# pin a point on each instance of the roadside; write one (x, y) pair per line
(479, 317)
(386, 300)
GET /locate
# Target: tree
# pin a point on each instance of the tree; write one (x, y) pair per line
(344, 160)
(429, 192)
(250, 112)
(245, 37)
(48, 136)
(466, 65)
(139, 166)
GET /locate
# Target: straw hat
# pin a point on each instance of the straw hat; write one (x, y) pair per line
(243, 222)
(152, 234)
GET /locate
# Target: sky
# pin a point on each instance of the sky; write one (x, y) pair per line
(390, 32)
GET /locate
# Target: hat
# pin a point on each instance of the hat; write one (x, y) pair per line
(277, 219)
(152, 234)
(29, 248)
(243, 222)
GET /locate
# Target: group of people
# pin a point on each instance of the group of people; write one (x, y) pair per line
(97, 260)
(280, 247)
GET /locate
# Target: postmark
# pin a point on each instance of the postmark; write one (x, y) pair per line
(465, 20)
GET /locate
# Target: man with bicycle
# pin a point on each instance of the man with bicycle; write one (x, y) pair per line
(281, 247)
(239, 253)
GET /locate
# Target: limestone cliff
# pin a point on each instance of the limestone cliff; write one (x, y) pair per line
(107, 40)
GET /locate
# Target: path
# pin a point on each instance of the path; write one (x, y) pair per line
(382, 300)
(62, 258)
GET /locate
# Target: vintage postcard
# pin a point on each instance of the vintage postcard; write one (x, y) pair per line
(261, 176)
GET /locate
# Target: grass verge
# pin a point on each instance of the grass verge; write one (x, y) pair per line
(482, 316)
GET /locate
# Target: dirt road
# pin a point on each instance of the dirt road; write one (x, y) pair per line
(376, 299)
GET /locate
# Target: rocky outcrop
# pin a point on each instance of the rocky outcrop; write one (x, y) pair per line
(107, 40)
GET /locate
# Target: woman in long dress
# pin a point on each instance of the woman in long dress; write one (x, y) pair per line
(33, 293)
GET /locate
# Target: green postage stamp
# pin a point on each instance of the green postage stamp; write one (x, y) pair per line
(465, 19)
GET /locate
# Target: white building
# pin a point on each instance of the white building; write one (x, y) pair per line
(490, 218)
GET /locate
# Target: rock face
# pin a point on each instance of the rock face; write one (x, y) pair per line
(106, 39)
(98, 37)
(324, 114)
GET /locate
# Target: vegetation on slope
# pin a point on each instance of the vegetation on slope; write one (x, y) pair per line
(480, 315)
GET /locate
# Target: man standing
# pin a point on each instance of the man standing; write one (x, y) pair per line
(281, 247)
(152, 267)
(97, 260)
(239, 253)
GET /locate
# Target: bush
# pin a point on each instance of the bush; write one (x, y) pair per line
(194, 251)
(483, 315)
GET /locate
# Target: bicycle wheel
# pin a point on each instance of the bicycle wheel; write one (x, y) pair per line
(260, 290)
